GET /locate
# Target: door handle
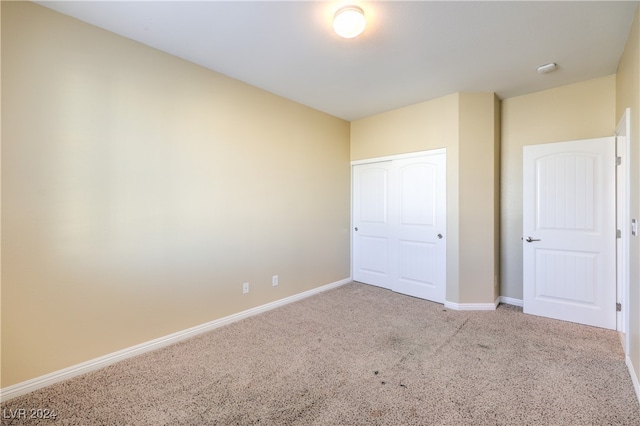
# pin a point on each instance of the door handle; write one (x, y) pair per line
(530, 240)
(440, 236)
(356, 229)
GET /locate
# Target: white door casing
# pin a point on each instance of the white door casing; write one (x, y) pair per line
(569, 240)
(399, 224)
(621, 227)
(623, 130)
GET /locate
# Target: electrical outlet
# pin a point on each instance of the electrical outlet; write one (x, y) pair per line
(274, 280)
(245, 288)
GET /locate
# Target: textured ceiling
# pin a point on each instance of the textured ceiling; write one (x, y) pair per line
(410, 51)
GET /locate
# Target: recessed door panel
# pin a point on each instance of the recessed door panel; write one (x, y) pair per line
(417, 194)
(373, 195)
(565, 190)
(374, 255)
(566, 276)
(417, 263)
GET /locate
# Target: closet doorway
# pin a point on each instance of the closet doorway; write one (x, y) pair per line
(399, 223)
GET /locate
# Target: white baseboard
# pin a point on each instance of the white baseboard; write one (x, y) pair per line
(511, 301)
(634, 377)
(472, 306)
(103, 361)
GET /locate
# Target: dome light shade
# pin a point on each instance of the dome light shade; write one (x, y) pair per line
(546, 68)
(349, 21)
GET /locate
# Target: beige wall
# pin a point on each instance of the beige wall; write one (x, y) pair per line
(140, 191)
(478, 178)
(628, 96)
(420, 127)
(578, 111)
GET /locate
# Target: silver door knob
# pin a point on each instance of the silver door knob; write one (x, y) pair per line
(440, 236)
(530, 240)
(356, 229)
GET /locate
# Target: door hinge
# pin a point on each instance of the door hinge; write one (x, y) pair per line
(618, 161)
(618, 233)
(618, 307)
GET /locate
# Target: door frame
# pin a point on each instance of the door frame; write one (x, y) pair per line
(372, 160)
(397, 157)
(623, 130)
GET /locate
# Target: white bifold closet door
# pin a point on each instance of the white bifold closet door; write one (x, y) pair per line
(399, 224)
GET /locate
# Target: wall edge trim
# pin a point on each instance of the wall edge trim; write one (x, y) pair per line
(36, 383)
(511, 301)
(472, 306)
(634, 376)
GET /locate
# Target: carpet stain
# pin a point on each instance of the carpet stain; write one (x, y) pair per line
(376, 413)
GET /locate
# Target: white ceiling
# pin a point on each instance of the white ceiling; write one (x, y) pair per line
(410, 51)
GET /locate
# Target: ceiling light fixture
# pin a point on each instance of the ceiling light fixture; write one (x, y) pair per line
(349, 21)
(543, 69)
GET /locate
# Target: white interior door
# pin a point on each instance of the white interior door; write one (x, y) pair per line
(569, 235)
(420, 252)
(399, 219)
(372, 230)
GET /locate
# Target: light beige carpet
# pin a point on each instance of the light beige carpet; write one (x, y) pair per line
(360, 355)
